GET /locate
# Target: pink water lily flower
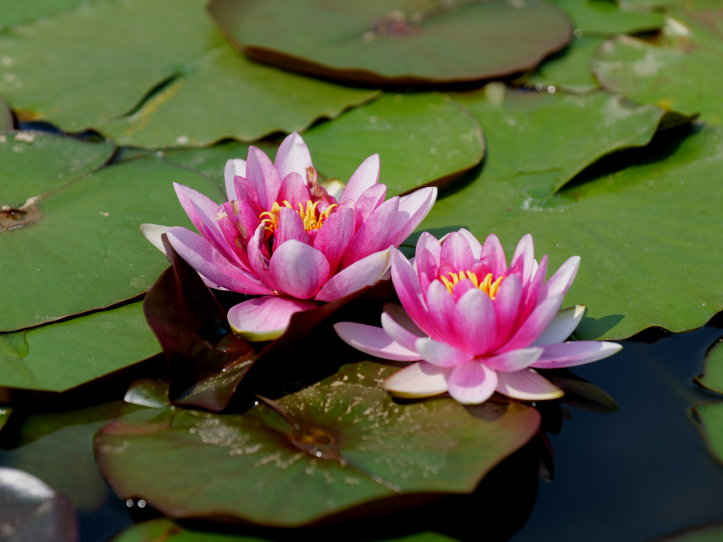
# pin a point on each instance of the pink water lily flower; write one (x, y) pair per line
(475, 325)
(282, 236)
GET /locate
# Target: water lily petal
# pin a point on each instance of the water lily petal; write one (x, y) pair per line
(493, 256)
(210, 229)
(408, 289)
(246, 192)
(562, 326)
(374, 341)
(440, 354)
(291, 226)
(298, 269)
(366, 272)
(258, 261)
(399, 333)
(418, 380)
(514, 360)
(507, 307)
(561, 281)
(523, 258)
(432, 244)
(262, 174)
(475, 322)
(191, 200)
(426, 266)
(535, 324)
(457, 253)
(294, 190)
(527, 385)
(246, 220)
(413, 208)
(472, 383)
(534, 287)
(474, 244)
(365, 176)
(235, 166)
(400, 316)
(334, 236)
(293, 155)
(265, 318)
(365, 205)
(441, 312)
(210, 263)
(370, 237)
(575, 353)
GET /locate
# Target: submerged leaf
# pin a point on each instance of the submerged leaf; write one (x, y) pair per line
(4, 416)
(330, 447)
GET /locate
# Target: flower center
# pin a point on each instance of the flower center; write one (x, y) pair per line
(487, 285)
(312, 221)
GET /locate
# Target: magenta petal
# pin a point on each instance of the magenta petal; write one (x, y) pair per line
(493, 256)
(187, 197)
(534, 287)
(258, 260)
(334, 236)
(400, 316)
(432, 244)
(523, 259)
(210, 263)
(570, 354)
(366, 272)
(246, 192)
(294, 190)
(475, 322)
(441, 308)
(413, 208)
(235, 166)
(457, 252)
(291, 227)
(374, 341)
(418, 380)
(440, 354)
(527, 385)
(299, 269)
(399, 333)
(561, 281)
(427, 267)
(472, 383)
(292, 156)
(265, 318)
(474, 244)
(407, 287)
(365, 176)
(208, 215)
(535, 324)
(246, 219)
(514, 360)
(507, 307)
(372, 198)
(262, 174)
(370, 237)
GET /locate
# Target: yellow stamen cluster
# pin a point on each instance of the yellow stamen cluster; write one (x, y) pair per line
(487, 285)
(308, 215)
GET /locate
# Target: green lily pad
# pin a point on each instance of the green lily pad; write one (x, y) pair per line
(57, 447)
(6, 117)
(61, 356)
(708, 533)
(422, 139)
(4, 416)
(164, 529)
(604, 17)
(330, 447)
(404, 43)
(659, 202)
(710, 417)
(569, 71)
(84, 250)
(34, 163)
(12, 13)
(225, 95)
(712, 378)
(675, 73)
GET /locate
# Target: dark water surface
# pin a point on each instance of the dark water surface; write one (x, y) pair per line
(627, 476)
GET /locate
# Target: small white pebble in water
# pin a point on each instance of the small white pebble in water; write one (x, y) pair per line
(623, 7)
(551, 89)
(141, 504)
(538, 87)
(129, 503)
(577, 33)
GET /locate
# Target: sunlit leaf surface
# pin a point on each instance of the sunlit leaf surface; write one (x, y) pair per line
(405, 42)
(345, 443)
(603, 17)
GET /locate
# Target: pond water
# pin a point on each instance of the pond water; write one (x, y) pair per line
(631, 475)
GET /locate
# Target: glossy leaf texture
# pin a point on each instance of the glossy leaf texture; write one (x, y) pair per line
(402, 43)
(57, 447)
(340, 443)
(226, 95)
(168, 531)
(30, 510)
(61, 356)
(85, 252)
(675, 72)
(623, 217)
(423, 139)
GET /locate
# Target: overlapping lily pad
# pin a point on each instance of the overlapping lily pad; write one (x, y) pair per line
(422, 139)
(604, 17)
(12, 13)
(570, 71)
(327, 448)
(712, 377)
(658, 206)
(61, 356)
(406, 42)
(84, 250)
(674, 73)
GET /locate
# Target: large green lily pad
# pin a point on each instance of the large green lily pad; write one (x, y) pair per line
(675, 73)
(711, 425)
(662, 205)
(405, 42)
(342, 442)
(86, 252)
(569, 71)
(12, 13)
(6, 117)
(422, 139)
(604, 17)
(61, 356)
(225, 95)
